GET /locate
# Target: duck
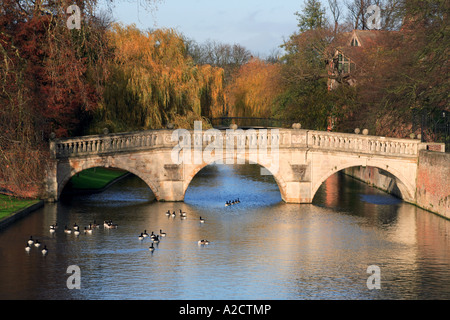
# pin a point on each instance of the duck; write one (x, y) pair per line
(203, 242)
(202, 220)
(30, 241)
(28, 248)
(37, 244)
(151, 248)
(141, 237)
(44, 251)
(162, 234)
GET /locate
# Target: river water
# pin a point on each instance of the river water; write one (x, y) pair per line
(260, 248)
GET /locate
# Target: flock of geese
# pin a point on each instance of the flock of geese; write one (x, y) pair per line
(155, 238)
(233, 202)
(75, 230)
(37, 244)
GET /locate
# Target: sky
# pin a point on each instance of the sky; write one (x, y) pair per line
(261, 26)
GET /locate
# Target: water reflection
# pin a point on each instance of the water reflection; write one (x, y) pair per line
(260, 248)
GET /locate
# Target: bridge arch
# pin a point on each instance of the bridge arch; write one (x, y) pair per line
(192, 170)
(406, 189)
(77, 169)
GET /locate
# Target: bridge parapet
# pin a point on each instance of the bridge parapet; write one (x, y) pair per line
(364, 144)
(281, 138)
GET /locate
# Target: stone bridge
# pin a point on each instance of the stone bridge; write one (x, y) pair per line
(300, 160)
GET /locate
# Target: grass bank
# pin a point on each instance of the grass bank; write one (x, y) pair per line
(10, 205)
(95, 178)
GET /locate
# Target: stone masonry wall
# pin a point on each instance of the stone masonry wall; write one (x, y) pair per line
(433, 182)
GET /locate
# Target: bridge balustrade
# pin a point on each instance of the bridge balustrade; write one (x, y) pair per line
(281, 138)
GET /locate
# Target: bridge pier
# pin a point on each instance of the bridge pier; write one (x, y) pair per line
(298, 192)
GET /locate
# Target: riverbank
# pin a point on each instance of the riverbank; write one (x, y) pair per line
(93, 180)
(12, 209)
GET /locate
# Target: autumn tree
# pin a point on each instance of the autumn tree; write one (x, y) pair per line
(155, 82)
(254, 89)
(48, 84)
(304, 76)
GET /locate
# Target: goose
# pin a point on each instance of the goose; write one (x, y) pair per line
(141, 237)
(155, 239)
(67, 230)
(30, 241)
(95, 225)
(173, 214)
(153, 235)
(168, 213)
(54, 226)
(87, 230)
(227, 204)
(145, 234)
(113, 225)
(202, 220)
(162, 234)
(76, 232)
(37, 244)
(44, 251)
(203, 242)
(27, 248)
(183, 214)
(151, 248)
(76, 227)
(52, 229)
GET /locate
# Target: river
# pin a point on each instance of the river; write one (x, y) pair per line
(260, 248)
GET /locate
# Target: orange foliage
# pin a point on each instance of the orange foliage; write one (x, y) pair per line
(254, 88)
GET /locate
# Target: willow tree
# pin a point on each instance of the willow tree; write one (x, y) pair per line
(254, 89)
(154, 82)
